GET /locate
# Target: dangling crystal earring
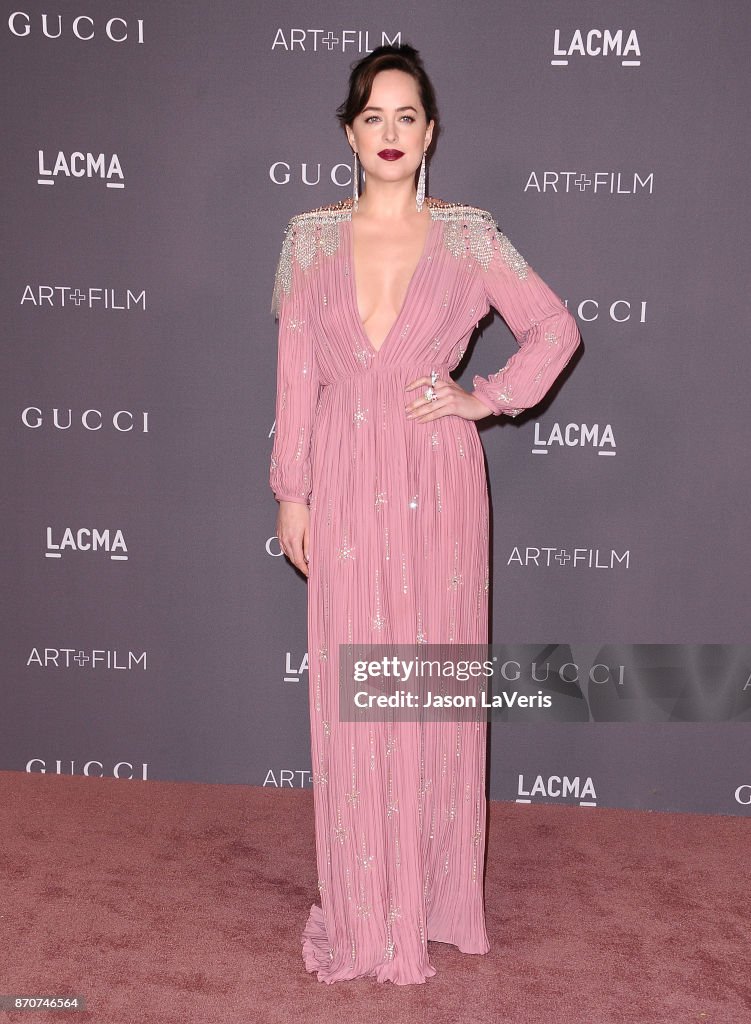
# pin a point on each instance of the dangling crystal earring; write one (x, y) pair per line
(421, 185)
(355, 184)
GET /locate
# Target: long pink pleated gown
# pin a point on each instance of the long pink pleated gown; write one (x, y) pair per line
(398, 554)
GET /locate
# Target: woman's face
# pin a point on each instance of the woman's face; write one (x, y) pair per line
(391, 123)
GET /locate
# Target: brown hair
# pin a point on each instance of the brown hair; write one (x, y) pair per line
(400, 58)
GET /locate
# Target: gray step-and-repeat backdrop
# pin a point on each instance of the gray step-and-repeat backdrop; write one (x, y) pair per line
(152, 155)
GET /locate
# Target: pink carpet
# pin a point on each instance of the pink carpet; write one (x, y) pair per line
(177, 902)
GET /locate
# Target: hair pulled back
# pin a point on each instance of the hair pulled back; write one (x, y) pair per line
(385, 58)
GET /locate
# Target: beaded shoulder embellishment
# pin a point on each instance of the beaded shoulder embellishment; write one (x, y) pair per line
(305, 234)
(468, 231)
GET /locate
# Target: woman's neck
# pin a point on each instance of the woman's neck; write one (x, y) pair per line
(388, 200)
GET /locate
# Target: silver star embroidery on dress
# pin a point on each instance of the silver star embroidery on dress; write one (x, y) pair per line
(318, 693)
(340, 831)
(456, 577)
(378, 619)
(394, 912)
(300, 440)
(346, 549)
(359, 416)
(363, 909)
(353, 797)
(452, 629)
(364, 859)
(425, 785)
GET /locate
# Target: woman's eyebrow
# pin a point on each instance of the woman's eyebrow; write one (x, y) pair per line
(379, 109)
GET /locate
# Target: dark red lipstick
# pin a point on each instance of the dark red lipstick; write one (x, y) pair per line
(390, 154)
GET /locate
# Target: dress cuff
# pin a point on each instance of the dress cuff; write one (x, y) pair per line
(291, 497)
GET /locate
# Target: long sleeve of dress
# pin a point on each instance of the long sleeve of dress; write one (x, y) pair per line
(544, 329)
(297, 380)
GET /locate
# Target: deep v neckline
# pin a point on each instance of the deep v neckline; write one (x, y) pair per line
(407, 294)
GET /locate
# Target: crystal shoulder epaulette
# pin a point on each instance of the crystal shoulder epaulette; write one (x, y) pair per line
(472, 231)
(305, 234)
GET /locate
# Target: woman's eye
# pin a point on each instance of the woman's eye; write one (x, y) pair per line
(374, 117)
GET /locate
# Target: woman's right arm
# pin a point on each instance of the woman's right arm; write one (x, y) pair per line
(297, 386)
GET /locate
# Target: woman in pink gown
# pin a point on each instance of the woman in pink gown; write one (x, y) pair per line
(379, 472)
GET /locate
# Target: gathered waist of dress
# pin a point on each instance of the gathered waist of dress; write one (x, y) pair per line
(404, 371)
